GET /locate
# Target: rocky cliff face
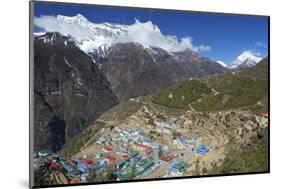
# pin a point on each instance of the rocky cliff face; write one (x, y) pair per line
(134, 70)
(70, 91)
(194, 65)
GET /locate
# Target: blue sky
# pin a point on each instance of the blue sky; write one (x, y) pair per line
(227, 35)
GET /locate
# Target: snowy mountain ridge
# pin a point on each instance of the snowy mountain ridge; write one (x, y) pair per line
(96, 38)
(245, 60)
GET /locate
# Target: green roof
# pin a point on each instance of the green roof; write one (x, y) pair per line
(144, 166)
(99, 155)
(124, 177)
(142, 162)
(119, 163)
(132, 153)
(181, 165)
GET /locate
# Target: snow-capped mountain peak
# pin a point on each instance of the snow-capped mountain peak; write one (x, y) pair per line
(92, 38)
(97, 29)
(245, 60)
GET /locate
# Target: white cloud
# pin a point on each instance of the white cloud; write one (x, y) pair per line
(52, 24)
(146, 34)
(149, 34)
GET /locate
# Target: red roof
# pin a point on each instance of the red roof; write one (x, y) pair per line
(54, 165)
(167, 157)
(124, 156)
(110, 158)
(74, 181)
(140, 145)
(88, 161)
(107, 148)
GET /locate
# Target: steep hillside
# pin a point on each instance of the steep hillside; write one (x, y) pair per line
(132, 72)
(70, 91)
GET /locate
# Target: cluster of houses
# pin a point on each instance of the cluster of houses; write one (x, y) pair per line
(130, 151)
(166, 126)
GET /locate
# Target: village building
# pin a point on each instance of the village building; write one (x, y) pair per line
(201, 149)
(110, 159)
(107, 148)
(145, 150)
(179, 168)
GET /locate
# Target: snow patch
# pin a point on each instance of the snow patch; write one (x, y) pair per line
(37, 34)
(222, 63)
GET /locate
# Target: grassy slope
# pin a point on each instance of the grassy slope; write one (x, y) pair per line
(259, 71)
(234, 91)
(182, 94)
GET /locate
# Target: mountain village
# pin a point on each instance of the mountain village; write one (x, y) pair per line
(148, 146)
